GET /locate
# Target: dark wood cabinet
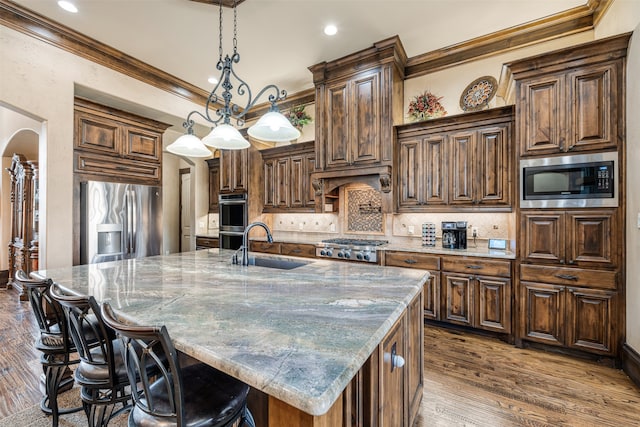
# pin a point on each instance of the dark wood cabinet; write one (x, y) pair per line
(24, 196)
(571, 100)
(580, 238)
(573, 308)
(233, 171)
(358, 100)
(468, 291)
(459, 162)
(203, 242)
(214, 184)
(477, 293)
(304, 250)
(286, 178)
(114, 145)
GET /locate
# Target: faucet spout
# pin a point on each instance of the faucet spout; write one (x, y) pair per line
(245, 237)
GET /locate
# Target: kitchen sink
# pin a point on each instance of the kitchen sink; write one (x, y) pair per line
(281, 264)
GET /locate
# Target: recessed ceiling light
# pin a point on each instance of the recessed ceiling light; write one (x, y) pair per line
(68, 6)
(212, 80)
(330, 30)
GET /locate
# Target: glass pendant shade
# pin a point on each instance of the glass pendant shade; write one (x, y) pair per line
(274, 127)
(225, 137)
(189, 145)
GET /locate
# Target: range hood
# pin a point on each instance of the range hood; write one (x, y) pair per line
(378, 177)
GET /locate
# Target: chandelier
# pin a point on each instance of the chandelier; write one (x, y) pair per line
(272, 127)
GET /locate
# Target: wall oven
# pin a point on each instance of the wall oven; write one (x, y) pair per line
(574, 181)
(232, 219)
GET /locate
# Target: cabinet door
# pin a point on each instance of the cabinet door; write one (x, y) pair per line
(142, 144)
(214, 188)
(233, 170)
(431, 307)
(337, 125)
(97, 134)
(462, 172)
(268, 168)
(494, 304)
(392, 377)
(593, 108)
(298, 178)
(543, 237)
(415, 356)
(492, 179)
(283, 177)
(589, 238)
(458, 298)
(590, 320)
(409, 173)
(540, 109)
(542, 313)
(365, 133)
(435, 170)
(310, 194)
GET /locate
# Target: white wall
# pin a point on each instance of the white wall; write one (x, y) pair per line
(41, 79)
(624, 16)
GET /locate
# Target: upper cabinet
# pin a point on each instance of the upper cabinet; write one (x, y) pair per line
(571, 100)
(358, 100)
(233, 171)
(287, 185)
(117, 146)
(214, 184)
(457, 162)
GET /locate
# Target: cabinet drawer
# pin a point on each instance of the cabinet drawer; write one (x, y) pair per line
(117, 169)
(266, 247)
(480, 266)
(568, 276)
(298, 249)
(412, 260)
(207, 242)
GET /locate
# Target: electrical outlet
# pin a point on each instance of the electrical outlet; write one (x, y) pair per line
(638, 219)
(411, 229)
(474, 231)
(332, 227)
(301, 226)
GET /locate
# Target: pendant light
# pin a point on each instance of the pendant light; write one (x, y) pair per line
(272, 127)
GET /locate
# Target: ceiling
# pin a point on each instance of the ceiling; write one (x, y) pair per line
(279, 39)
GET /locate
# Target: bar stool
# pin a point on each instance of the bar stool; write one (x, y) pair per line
(54, 343)
(101, 373)
(210, 399)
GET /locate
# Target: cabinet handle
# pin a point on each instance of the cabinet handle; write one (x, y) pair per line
(566, 276)
(410, 261)
(395, 359)
(296, 251)
(571, 262)
(474, 267)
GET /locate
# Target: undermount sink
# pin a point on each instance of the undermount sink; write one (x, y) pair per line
(281, 264)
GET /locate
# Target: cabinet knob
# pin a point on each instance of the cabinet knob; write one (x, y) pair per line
(571, 262)
(561, 261)
(393, 358)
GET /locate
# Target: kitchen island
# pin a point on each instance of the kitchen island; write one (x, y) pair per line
(322, 342)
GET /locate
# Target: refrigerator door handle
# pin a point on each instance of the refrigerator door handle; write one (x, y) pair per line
(134, 220)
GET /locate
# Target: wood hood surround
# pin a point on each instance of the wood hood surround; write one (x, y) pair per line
(359, 98)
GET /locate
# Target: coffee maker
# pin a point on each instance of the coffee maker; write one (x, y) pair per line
(454, 234)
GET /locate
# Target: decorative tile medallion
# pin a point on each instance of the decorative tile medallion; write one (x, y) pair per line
(364, 210)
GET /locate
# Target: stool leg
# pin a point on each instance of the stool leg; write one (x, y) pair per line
(54, 373)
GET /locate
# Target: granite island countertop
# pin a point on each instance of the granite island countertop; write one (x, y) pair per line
(299, 335)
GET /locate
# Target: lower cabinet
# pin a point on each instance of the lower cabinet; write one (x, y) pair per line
(207, 242)
(304, 250)
(581, 314)
(387, 391)
(468, 291)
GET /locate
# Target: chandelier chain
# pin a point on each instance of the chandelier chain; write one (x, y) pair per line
(220, 32)
(235, 27)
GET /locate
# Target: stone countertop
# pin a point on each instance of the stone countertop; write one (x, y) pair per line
(299, 335)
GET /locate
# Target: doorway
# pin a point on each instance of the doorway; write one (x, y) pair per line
(185, 210)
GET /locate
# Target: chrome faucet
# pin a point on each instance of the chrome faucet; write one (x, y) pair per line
(245, 244)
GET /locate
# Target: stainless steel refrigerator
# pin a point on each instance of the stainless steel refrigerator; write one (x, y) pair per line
(119, 221)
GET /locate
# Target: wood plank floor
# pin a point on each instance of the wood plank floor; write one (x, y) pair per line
(469, 380)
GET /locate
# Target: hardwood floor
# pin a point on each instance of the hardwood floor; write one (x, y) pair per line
(469, 380)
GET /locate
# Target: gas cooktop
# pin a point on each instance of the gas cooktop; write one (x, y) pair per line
(350, 249)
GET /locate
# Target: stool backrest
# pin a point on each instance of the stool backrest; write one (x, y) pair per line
(157, 351)
(88, 330)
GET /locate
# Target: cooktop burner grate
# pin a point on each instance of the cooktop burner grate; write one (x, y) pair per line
(356, 242)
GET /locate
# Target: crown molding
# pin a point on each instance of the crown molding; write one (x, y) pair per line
(576, 20)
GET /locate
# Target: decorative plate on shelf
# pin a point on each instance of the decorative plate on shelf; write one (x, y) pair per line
(477, 95)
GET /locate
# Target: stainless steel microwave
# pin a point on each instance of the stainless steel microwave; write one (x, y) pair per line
(574, 181)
